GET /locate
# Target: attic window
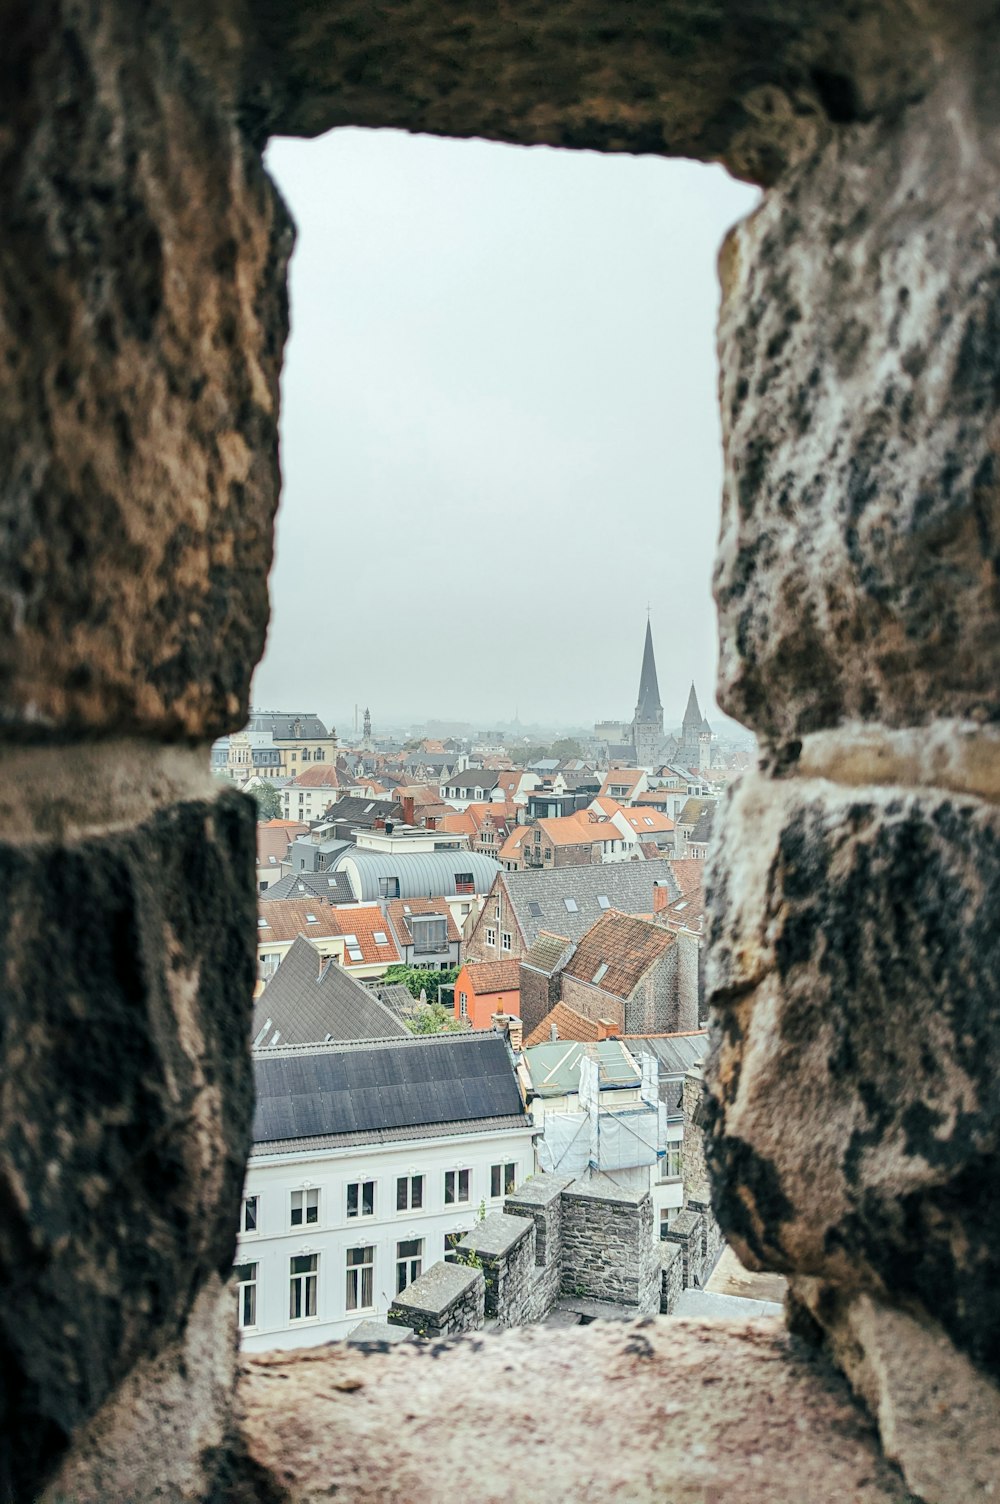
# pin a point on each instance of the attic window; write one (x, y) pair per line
(603, 901)
(601, 972)
(311, 919)
(350, 940)
(355, 953)
(647, 819)
(571, 905)
(535, 909)
(682, 904)
(262, 924)
(381, 938)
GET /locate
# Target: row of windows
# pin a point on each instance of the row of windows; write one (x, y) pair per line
(359, 1278)
(360, 1199)
(505, 938)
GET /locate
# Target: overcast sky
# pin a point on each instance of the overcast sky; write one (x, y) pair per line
(499, 430)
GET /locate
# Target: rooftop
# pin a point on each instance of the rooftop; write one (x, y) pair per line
(617, 951)
(555, 1068)
(310, 1000)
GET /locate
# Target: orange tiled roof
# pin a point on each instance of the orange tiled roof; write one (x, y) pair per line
(607, 805)
(493, 976)
(625, 946)
(648, 821)
(288, 917)
(568, 1024)
(578, 830)
(364, 922)
(510, 851)
(623, 777)
(400, 909)
(325, 777)
(686, 913)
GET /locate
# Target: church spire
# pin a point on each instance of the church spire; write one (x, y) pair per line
(693, 716)
(648, 707)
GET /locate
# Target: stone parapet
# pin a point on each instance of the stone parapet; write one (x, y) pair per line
(444, 1301)
(505, 1247)
(608, 1249)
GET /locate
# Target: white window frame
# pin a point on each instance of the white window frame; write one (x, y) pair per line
(501, 1174)
(461, 1187)
(358, 1186)
(409, 1266)
(246, 1293)
(412, 1204)
(355, 1278)
(305, 1201)
(250, 1217)
(491, 937)
(303, 1287)
(505, 940)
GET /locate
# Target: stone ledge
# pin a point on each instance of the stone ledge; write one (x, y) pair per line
(715, 1410)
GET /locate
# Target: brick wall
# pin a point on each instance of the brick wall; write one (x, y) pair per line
(608, 1249)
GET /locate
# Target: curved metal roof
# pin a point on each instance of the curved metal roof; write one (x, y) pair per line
(421, 874)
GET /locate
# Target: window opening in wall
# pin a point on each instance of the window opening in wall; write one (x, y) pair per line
(248, 1221)
(304, 1284)
(409, 1262)
(246, 1294)
(502, 1179)
(360, 1278)
(361, 1198)
(304, 1207)
(409, 1193)
(456, 1186)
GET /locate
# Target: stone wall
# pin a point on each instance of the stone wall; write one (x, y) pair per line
(538, 996)
(505, 1247)
(855, 878)
(608, 1249)
(444, 1301)
(540, 1199)
(690, 1009)
(671, 1276)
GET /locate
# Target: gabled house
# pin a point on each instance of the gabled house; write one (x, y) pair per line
(274, 837)
(625, 969)
(471, 786)
(625, 784)
(483, 988)
(357, 937)
(580, 839)
(425, 931)
(311, 999)
(562, 901)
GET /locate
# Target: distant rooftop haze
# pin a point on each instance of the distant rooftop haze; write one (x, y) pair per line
(500, 441)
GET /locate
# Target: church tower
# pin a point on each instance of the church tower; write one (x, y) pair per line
(647, 728)
(696, 735)
(367, 741)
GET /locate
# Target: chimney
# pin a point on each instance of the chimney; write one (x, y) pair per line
(499, 1022)
(380, 822)
(431, 822)
(553, 1034)
(607, 1029)
(407, 803)
(515, 1033)
(661, 897)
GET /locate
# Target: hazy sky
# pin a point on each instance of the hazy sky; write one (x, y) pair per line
(499, 435)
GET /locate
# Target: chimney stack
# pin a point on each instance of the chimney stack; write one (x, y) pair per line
(607, 1029)
(407, 803)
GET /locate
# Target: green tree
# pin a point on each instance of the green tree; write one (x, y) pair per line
(529, 755)
(566, 746)
(433, 1018)
(418, 979)
(268, 800)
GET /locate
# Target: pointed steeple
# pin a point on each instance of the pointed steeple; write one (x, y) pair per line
(693, 716)
(648, 707)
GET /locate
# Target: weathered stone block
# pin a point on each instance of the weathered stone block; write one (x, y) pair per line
(857, 569)
(142, 319)
(444, 1301)
(128, 964)
(855, 969)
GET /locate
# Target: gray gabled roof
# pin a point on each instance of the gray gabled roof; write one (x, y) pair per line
(388, 1084)
(282, 726)
(333, 887)
(628, 887)
(675, 1052)
(301, 1005)
(648, 707)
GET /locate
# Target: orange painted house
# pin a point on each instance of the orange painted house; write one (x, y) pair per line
(483, 988)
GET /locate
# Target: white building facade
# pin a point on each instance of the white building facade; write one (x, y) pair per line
(333, 1227)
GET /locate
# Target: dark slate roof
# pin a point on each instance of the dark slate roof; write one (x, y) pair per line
(703, 827)
(304, 1006)
(333, 887)
(282, 727)
(648, 707)
(692, 715)
(628, 887)
(517, 1120)
(410, 1083)
(397, 997)
(354, 810)
(547, 953)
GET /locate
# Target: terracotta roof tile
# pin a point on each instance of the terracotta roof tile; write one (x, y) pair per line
(568, 1025)
(689, 873)
(273, 840)
(493, 976)
(617, 951)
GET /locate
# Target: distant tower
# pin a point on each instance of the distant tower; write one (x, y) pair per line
(696, 735)
(367, 740)
(647, 728)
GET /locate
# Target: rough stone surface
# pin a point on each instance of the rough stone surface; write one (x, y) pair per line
(671, 1276)
(608, 1249)
(938, 1416)
(752, 88)
(165, 1431)
(854, 965)
(142, 320)
(540, 1198)
(125, 1105)
(445, 1300)
(715, 1410)
(506, 1247)
(857, 574)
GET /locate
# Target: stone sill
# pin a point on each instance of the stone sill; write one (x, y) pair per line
(716, 1409)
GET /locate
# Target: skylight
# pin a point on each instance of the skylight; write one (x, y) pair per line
(350, 940)
(354, 953)
(262, 924)
(571, 905)
(311, 919)
(601, 971)
(381, 938)
(535, 909)
(603, 901)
